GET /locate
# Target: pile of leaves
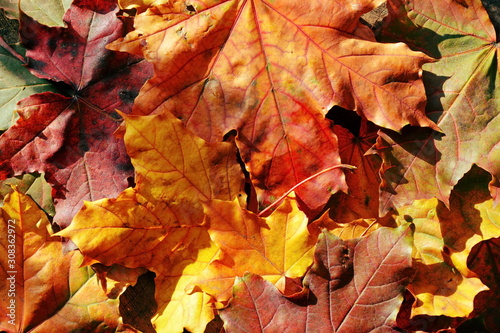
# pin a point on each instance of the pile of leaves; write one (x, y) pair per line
(250, 166)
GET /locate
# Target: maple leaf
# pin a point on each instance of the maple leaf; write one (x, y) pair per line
(178, 309)
(444, 238)
(265, 72)
(279, 248)
(128, 220)
(33, 185)
(70, 138)
(50, 12)
(472, 218)
(295, 66)
(361, 201)
(438, 287)
(350, 281)
(176, 260)
(47, 289)
(16, 83)
(156, 224)
(462, 89)
(175, 166)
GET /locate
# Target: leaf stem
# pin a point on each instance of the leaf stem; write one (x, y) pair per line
(366, 230)
(6, 46)
(274, 204)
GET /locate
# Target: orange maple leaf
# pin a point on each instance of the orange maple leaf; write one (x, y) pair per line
(295, 66)
(45, 288)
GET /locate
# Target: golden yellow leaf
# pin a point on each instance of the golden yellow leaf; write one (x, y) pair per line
(279, 247)
(175, 166)
(439, 287)
(176, 308)
(123, 230)
(175, 254)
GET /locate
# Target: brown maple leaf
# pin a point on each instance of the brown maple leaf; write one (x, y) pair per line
(350, 282)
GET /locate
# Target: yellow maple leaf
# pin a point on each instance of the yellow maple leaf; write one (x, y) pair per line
(279, 247)
(173, 165)
(156, 225)
(468, 222)
(440, 286)
(176, 308)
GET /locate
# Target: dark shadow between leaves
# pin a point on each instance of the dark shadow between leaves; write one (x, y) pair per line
(215, 326)
(398, 27)
(471, 190)
(392, 171)
(345, 118)
(434, 91)
(138, 304)
(493, 9)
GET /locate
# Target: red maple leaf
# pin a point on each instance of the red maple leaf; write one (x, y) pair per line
(70, 137)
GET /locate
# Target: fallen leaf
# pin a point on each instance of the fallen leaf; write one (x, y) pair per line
(443, 285)
(243, 92)
(424, 323)
(75, 55)
(50, 12)
(272, 94)
(349, 282)
(177, 309)
(70, 138)
(462, 90)
(16, 83)
(279, 248)
(156, 224)
(33, 185)
(130, 229)
(135, 233)
(45, 288)
(175, 166)
(471, 219)
(361, 200)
